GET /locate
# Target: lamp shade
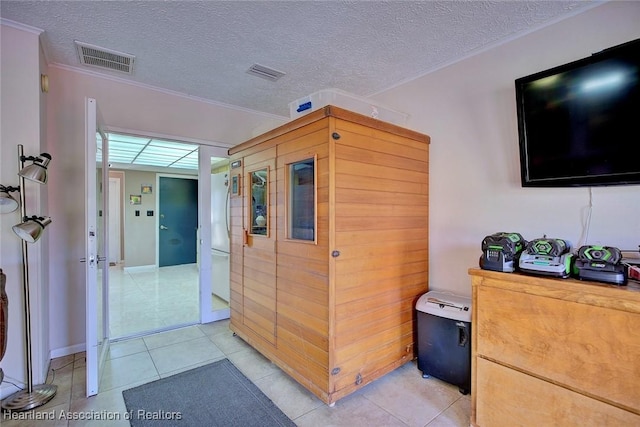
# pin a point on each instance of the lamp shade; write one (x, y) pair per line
(31, 229)
(37, 171)
(7, 202)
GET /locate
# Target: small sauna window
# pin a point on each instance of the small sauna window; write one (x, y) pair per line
(259, 196)
(302, 200)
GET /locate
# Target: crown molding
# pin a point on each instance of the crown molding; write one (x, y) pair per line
(20, 26)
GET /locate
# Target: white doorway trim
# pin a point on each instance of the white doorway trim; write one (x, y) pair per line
(115, 217)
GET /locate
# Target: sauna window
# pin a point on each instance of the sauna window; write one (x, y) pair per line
(259, 194)
(302, 203)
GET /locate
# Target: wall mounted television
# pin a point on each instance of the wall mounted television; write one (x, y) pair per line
(579, 123)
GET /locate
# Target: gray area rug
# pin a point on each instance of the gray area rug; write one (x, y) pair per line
(217, 394)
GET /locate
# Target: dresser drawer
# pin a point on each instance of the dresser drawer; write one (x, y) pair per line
(512, 398)
(587, 348)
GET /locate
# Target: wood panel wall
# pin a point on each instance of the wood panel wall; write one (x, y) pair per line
(381, 230)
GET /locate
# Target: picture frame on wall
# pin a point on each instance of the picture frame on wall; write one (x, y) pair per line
(135, 199)
(146, 188)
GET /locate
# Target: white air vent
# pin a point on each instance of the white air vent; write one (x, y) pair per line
(100, 57)
(265, 72)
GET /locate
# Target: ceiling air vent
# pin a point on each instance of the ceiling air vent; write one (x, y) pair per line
(100, 57)
(265, 72)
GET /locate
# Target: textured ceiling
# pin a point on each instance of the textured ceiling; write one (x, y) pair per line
(204, 48)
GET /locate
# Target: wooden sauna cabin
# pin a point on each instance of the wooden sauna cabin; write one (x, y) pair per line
(329, 247)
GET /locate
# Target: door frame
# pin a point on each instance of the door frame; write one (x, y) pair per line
(205, 153)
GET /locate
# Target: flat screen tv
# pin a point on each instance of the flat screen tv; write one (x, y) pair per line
(579, 123)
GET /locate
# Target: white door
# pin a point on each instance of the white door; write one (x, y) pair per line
(212, 267)
(96, 263)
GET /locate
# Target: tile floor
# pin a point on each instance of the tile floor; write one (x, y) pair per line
(141, 301)
(401, 398)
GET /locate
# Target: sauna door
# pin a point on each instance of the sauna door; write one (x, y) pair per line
(259, 254)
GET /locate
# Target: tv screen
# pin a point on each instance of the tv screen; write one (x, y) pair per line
(579, 123)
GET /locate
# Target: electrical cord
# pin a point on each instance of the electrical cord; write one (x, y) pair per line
(53, 371)
(13, 384)
(587, 222)
(53, 376)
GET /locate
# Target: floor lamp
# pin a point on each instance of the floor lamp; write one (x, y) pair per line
(29, 230)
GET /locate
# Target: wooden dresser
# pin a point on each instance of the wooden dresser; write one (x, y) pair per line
(329, 247)
(554, 352)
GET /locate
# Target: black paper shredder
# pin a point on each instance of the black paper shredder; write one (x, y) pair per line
(444, 338)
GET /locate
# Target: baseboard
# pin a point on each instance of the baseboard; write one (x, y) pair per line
(216, 315)
(140, 268)
(65, 351)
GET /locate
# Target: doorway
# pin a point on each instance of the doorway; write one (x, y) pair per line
(145, 296)
(148, 294)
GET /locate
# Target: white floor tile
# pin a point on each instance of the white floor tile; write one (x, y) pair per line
(400, 398)
(182, 354)
(353, 410)
(252, 364)
(125, 348)
(157, 299)
(293, 399)
(229, 343)
(414, 400)
(127, 370)
(164, 339)
(455, 415)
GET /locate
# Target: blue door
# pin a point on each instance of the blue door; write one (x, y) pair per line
(178, 219)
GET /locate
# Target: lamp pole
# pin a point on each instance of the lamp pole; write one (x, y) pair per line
(32, 396)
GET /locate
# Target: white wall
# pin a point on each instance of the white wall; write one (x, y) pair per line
(469, 111)
(467, 108)
(21, 110)
(122, 106)
(140, 231)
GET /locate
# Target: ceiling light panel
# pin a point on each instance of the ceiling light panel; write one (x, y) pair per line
(139, 151)
(129, 139)
(173, 145)
(190, 161)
